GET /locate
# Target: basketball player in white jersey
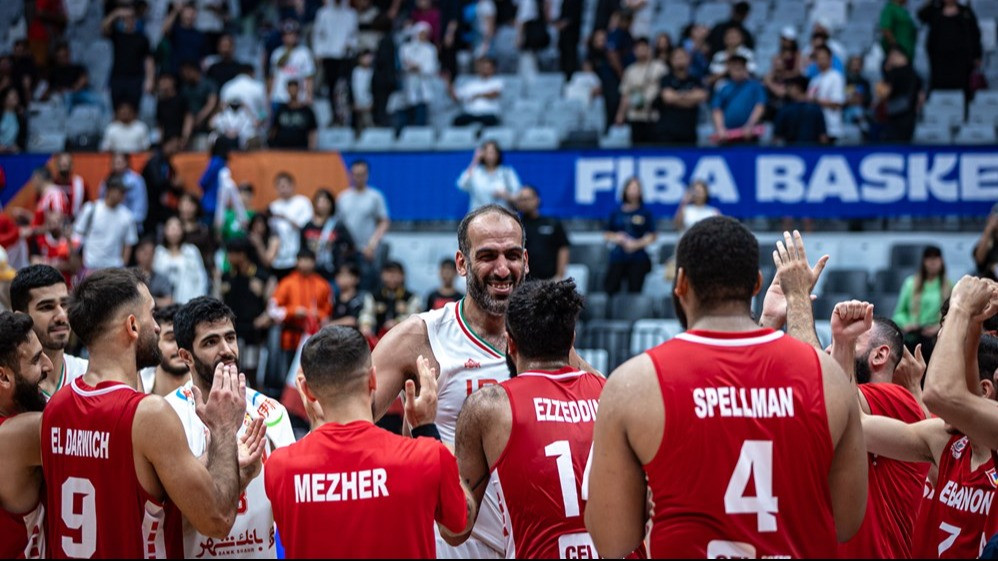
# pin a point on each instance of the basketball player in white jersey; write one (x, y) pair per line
(465, 342)
(41, 292)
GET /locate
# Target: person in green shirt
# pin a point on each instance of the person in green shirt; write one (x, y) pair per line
(897, 27)
(922, 296)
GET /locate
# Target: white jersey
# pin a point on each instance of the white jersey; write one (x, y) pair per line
(148, 377)
(72, 368)
(467, 363)
(252, 535)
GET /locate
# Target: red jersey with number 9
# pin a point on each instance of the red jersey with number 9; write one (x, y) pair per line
(742, 470)
(96, 506)
(539, 475)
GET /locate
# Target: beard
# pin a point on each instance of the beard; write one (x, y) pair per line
(28, 396)
(147, 351)
(478, 290)
(510, 365)
(205, 371)
(49, 343)
(169, 368)
(862, 367)
(680, 313)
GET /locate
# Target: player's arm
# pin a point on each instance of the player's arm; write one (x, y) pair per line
(797, 280)
(576, 361)
(847, 478)
(20, 462)
(923, 441)
(478, 414)
(615, 511)
(394, 360)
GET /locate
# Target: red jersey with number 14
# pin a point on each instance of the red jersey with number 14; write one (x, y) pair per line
(742, 470)
(540, 472)
(96, 506)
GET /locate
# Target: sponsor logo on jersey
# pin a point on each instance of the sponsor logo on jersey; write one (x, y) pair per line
(958, 447)
(966, 499)
(759, 403)
(244, 543)
(472, 363)
(992, 477)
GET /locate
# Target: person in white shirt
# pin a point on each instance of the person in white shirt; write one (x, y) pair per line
(334, 39)
(694, 208)
(289, 213)
(125, 133)
(828, 89)
(106, 229)
(734, 44)
(479, 96)
(585, 85)
(250, 93)
(486, 180)
(291, 61)
(236, 122)
(206, 337)
(418, 57)
(360, 86)
(181, 263)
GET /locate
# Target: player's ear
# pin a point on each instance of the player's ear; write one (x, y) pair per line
(461, 263)
(133, 326)
(6, 378)
(682, 284)
(987, 389)
(187, 357)
(372, 380)
(881, 355)
(511, 349)
(305, 388)
(526, 262)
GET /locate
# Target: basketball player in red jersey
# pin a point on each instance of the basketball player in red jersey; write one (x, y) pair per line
(351, 489)
(748, 441)
(112, 455)
(533, 433)
(23, 365)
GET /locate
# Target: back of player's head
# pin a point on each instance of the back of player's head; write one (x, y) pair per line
(334, 358)
(720, 258)
(201, 310)
(463, 241)
(987, 357)
(166, 314)
(98, 298)
(886, 332)
(541, 318)
(14, 330)
(28, 279)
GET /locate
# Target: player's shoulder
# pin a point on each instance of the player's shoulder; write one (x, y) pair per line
(490, 398)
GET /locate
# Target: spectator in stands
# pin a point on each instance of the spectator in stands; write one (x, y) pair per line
(370, 20)
(13, 123)
(547, 243)
(693, 207)
(45, 27)
(897, 28)
(201, 95)
(569, 26)
(479, 97)
(800, 120)
(426, 11)
(584, 86)
(953, 44)
(828, 90)
(694, 41)
(679, 103)
(484, 24)
(326, 237)
(899, 96)
(63, 75)
(223, 66)
(487, 180)
(385, 77)
(785, 65)
(734, 45)
(250, 93)
(133, 70)
(265, 242)
(302, 303)
(159, 286)
(71, 183)
(244, 289)
(821, 34)
(51, 245)
(125, 133)
(25, 71)
(237, 126)
(334, 39)
(163, 184)
(859, 93)
(629, 230)
(418, 58)
(986, 249)
(348, 299)
(173, 119)
(390, 305)
(289, 213)
(136, 195)
(291, 61)
(181, 263)
(187, 43)
(362, 209)
(196, 232)
(663, 48)
(295, 127)
(717, 40)
(739, 105)
(921, 299)
(50, 197)
(219, 190)
(819, 41)
(639, 93)
(235, 225)
(106, 229)
(360, 87)
(445, 293)
(598, 55)
(620, 42)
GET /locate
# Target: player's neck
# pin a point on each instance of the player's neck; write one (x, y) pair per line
(51, 382)
(345, 411)
(166, 383)
(483, 323)
(979, 455)
(725, 317)
(526, 365)
(111, 365)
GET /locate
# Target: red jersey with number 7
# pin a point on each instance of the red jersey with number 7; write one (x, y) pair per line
(96, 506)
(539, 475)
(742, 470)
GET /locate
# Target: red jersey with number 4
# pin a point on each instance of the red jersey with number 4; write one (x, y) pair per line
(539, 475)
(742, 470)
(952, 526)
(357, 490)
(895, 488)
(22, 536)
(96, 506)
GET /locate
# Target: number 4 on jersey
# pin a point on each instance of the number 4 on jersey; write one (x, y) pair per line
(754, 462)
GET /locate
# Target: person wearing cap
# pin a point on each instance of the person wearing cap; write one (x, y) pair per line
(291, 61)
(418, 58)
(921, 299)
(106, 229)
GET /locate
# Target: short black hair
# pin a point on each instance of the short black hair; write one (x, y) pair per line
(464, 244)
(99, 297)
(737, 59)
(541, 318)
(305, 253)
(741, 8)
(642, 41)
(15, 328)
(28, 279)
(166, 314)
(348, 267)
(115, 181)
(203, 309)
(799, 82)
(823, 49)
(987, 357)
(360, 162)
(329, 196)
(334, 357)
(448, 263)
(886, 332)
(284, 175)
(239, 244)
(720, 258)
(393, 266)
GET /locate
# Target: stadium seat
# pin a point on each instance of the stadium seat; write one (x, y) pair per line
(825, 304)
(416, 138)
(710, 13)
(633, 307)
(823, 328)
(884, 304)
(982, 114)
(612, 335)
(596, 305)
(942, 116)
(597, 358)
(323, 112)
(457, 138)
(933, 134)
(846, 281)
(52, 141)
(619, 136)
(945, 98)
(376, 139)
(889, 281)
(504, 136)
(336, 138)
(539, 138)
(580, 273)
(833, 11)
(851, 135)
(592, 254)
(666, 251)
(906, 256)
(648, 333)
(976, 134)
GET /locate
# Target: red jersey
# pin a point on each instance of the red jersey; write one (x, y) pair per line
(22, 535)
(952, 526)
(895, 488)
(356, 490)
(540, 472)
(742, 470)
(96, 506)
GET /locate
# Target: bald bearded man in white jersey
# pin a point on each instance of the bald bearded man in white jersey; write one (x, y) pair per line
(465, 342)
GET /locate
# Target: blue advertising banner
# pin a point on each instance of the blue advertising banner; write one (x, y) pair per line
(865, 181)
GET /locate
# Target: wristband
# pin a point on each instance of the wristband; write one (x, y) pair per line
(428, 429)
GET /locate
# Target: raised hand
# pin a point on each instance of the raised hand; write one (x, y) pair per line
(976, 296)
(850, 320)
(797, 277)
(225, 408)
(910, 370)
(421, 409)
(251, 446)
